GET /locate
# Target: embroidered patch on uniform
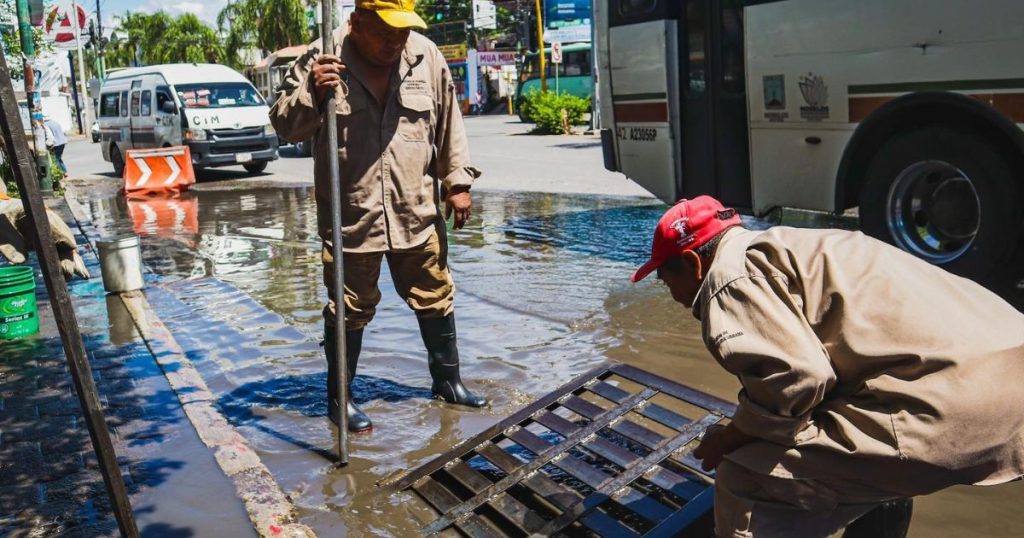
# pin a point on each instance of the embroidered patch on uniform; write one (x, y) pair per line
(416, 86)
(724, 336)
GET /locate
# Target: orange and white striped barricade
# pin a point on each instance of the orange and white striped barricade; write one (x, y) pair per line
(158, 170)
(170, 217)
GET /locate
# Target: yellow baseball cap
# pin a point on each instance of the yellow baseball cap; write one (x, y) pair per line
(396, 13)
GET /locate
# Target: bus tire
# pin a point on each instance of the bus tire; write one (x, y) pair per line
(949, 197)
(256, 167)
(117, 160)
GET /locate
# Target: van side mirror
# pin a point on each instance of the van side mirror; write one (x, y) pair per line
(169, 108)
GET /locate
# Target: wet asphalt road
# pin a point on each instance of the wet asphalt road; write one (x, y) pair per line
(543, 296)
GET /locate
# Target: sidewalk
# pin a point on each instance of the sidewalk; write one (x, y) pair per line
(50, 484)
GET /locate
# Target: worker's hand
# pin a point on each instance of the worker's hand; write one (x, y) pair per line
(14, 246)
(717, 442)
(327, 73)
(460, 203)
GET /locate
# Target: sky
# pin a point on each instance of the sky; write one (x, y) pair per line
(206, 10)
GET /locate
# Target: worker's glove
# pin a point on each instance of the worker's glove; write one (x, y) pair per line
(14, 226)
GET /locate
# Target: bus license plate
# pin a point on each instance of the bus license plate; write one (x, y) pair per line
(243, 157)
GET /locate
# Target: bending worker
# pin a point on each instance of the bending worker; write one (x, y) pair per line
(401, 148)
(867, 374)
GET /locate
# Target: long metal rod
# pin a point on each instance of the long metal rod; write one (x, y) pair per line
(16, 148)
(341, 364)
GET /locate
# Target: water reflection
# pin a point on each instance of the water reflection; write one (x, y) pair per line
(543, 295)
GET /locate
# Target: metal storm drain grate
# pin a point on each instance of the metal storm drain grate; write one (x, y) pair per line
(608, 454)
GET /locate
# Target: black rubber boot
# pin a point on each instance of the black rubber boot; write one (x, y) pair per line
(357, 419)
(443, 360)
(889, 520)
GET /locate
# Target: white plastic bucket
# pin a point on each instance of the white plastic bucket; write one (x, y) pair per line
(121, 263)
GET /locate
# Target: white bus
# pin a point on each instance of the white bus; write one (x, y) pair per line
(909, 110)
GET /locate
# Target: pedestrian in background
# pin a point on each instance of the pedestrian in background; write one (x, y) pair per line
(868, 374)
(402, 151)
(56, 140)
(478, 103)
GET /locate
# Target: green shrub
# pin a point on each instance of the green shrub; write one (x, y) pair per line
(545, 109)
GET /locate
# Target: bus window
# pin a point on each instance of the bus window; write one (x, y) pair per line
(147, 103)
(636, 7)
(733, 80)
(109, 104)
(135, 103)
(696, 48)
(124, 104)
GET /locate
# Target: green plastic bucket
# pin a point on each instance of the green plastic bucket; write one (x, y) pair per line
(19, 315)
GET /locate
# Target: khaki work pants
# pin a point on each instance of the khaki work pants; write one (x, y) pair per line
(753, 505)
(420, 280)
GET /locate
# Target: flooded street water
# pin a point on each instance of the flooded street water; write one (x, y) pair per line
(543, 295)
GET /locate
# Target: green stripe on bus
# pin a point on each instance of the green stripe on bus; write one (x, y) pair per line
(639, 96)
(939, 86)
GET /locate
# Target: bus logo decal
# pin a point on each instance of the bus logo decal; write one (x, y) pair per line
(815, 93)
(775, 98)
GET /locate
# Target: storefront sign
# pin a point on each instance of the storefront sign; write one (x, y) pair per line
(490, 57)
(453, 52)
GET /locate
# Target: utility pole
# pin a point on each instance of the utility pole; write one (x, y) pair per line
(540, 46)
(84, 93)
(28, 50)
(100, 44)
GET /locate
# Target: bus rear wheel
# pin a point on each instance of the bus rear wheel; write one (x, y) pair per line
(949, 198)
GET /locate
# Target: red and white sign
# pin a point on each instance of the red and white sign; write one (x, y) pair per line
(556, 52)
(491, 57)
(158, 170)
(59, 23)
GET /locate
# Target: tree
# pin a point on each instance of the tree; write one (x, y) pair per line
(268, 25)
(157, 38)
(12, 43)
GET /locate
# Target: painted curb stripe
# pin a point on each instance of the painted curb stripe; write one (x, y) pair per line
(641, 112)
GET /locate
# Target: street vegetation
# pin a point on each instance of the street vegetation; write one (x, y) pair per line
(554, 113)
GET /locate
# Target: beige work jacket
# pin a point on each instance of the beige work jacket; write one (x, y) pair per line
(389, 155)
(862, 362)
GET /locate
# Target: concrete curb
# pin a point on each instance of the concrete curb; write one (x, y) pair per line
(270, 509)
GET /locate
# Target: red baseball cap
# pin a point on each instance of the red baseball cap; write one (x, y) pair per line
(686, 226)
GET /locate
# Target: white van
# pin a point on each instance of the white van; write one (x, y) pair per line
(210, 108)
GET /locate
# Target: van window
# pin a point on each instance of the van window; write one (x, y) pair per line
(163, 95)
(124, 104)
(147, 103)
(135, 103)
(219, 95)
(109, 103)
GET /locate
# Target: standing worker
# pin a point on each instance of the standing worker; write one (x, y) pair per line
(57, 143)
(868, 375)
(402, 148)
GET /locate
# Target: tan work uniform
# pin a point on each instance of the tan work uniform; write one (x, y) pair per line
(867, 375)
(391, 157)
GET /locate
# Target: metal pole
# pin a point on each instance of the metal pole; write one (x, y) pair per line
(327, 33)
(74, 92)
(540, 45)
(76, 23)
(16, 148)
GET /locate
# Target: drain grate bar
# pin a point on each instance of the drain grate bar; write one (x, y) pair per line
(608, 454)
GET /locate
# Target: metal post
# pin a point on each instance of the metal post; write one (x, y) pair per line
(76, 24)
(341, 364)
(16, 148)
(540, 46)
(74, 92)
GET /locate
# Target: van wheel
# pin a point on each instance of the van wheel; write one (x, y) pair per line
(117, 161)
(255, 168)
(948, 197)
